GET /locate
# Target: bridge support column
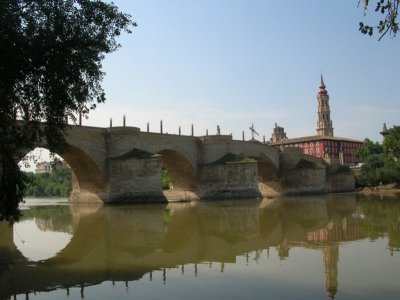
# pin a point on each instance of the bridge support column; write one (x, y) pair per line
(229, 180)
(135, 179)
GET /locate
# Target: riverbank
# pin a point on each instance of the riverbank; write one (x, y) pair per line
(387, 190)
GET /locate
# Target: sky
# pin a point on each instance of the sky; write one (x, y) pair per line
(234, 63)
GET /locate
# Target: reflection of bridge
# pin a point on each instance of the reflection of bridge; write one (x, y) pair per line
(125, 243)
(125, 164)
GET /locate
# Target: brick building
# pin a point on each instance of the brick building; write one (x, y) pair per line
(324, 144)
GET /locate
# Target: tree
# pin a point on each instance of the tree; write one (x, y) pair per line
(391, 144)
(381, 162)
(55, 184)
(369, 148)
(389, 10)
(50, 68)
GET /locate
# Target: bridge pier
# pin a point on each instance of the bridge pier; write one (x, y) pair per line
(229, 180)
(136, 178)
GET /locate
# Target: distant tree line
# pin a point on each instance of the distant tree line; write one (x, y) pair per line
(381, 161)
(54, 184)
(59, 182)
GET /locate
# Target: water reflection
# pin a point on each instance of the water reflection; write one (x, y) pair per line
(125, 243)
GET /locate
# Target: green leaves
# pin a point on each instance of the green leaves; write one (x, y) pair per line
(381, 162)
(51, 54)
(369, 148)
(391, 144)
(56, 184)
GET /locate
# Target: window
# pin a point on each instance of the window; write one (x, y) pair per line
(317, 143)
(317, 150)
(311, 144)
(305, 144)
(306, 151)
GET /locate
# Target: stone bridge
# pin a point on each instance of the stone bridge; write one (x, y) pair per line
(124, 164)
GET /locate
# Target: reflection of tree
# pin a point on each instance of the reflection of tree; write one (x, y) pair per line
(55, 218)
(382, 216)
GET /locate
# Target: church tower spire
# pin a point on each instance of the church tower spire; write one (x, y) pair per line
(324, 124)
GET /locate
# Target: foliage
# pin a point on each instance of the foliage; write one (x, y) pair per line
(369, 148)
(57, 183)
(166, 179)
(391, 144)
(389, 10)
(50, 68)
(381, 163)
(379, 169)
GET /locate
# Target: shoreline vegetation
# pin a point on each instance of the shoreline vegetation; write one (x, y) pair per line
(58, 182)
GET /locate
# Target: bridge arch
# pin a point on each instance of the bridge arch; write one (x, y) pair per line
(87, 180)
(268, 176)
(87, 183)
(183, 175)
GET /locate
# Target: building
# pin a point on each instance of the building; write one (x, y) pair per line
(43, 167)
(48, 167)
(324, 144)
(278, 134)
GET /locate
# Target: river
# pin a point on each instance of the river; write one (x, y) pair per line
(339, 246)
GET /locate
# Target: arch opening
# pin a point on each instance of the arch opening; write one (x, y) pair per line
(49, 175)
(87, 183)
(182, 176)
(268, 178)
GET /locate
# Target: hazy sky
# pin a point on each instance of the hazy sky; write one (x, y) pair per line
(236, 62)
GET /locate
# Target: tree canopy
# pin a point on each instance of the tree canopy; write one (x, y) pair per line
(389, 10)
(369, 148)
(391, 144)
(381, 161)
(51, 54)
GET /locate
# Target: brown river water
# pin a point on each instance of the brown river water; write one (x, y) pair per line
(340, 246)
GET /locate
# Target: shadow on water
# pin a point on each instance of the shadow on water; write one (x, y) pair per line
(123, 243)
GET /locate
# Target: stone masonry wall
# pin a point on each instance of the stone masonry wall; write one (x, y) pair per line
(340, 182)
(230, 180)
(135, 180)
(290, 157)
(302, 181)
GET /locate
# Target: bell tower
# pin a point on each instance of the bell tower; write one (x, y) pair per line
(324, 124)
